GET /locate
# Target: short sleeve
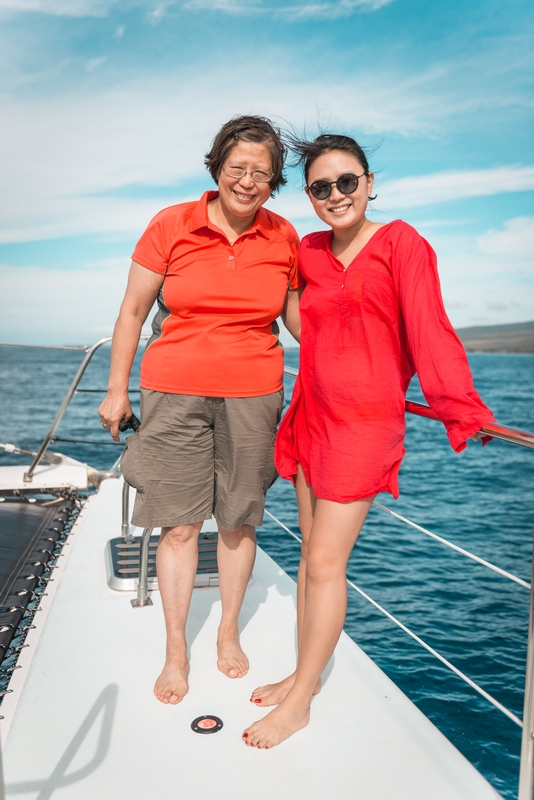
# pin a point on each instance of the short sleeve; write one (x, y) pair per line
(151, 251)
(432, 344)
(294, 278)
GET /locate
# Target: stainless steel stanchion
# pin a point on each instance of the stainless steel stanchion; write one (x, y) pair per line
(125, 527)
(142, 587)
(2, 790)
(526, 771)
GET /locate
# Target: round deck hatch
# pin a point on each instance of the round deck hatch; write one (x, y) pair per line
(207, 724)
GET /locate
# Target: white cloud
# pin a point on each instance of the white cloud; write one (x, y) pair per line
(81, 304)
(78, 216)
(63, 8)
(295, 12)
(156, 14)
(94, 63)
(440, 187)
(482, 287)
(58, 151)
(101, 8)
(338, 10)
(61, 156)
(515, 239)
(229, 6)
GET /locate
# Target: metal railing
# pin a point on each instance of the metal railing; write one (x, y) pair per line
(28, 476)
(142, 598)
(417, 638)
(125, 527)
(89, 353)
(491, 429)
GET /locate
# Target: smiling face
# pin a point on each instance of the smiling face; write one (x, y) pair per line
(242, 197)
(340, 211)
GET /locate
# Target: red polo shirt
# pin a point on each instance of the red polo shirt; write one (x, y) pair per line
(212, 333)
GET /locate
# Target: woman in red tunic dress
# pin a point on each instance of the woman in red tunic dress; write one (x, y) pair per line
(371, 317)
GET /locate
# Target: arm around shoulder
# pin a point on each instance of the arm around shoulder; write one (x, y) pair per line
(291, 313)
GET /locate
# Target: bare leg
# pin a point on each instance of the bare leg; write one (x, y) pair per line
(335, 528)
(236, 552)
(176, 563)
(274, 693)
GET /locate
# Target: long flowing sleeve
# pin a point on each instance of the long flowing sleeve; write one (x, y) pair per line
(432, 347)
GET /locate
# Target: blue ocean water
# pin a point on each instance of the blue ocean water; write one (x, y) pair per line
(480, 499)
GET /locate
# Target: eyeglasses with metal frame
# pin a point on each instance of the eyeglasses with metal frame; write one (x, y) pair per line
(346, 184)
(257, 175)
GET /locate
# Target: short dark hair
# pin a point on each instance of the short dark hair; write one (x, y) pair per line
(307, 152)
(248, 129)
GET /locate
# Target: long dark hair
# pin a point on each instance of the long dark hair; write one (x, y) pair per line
(307, 151)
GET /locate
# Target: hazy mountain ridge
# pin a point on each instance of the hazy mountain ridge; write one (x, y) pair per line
(514, 338)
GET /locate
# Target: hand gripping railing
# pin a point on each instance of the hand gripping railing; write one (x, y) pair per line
(89, 353)
(28, 476)
(526, 772)
(490, 429)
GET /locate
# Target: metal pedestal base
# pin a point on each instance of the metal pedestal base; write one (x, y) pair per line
(137, 604)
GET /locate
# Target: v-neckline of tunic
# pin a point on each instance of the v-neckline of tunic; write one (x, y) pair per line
(368, 242)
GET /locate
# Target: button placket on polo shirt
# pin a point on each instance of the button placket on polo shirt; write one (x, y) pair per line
(230, 259)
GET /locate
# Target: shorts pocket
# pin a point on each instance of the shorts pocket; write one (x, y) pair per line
(271, 475)
(131, 466)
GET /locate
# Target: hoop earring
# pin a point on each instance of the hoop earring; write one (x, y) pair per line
(372, 197)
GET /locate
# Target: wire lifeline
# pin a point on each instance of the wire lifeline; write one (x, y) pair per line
(47, 346)
(487, 564)
(85, 441)
(420, 641)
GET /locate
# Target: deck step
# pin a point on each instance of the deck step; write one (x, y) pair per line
(122, 562)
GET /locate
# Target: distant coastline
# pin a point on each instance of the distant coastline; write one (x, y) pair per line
(515, 338)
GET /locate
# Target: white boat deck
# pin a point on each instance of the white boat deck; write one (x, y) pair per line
(87, 725)
(69, 473)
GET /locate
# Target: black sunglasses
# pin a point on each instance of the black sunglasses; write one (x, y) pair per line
(346, 184)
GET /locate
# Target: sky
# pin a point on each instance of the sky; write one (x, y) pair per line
(108, 108)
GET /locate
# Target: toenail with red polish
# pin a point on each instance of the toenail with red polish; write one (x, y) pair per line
(257, 701)
(245, 736)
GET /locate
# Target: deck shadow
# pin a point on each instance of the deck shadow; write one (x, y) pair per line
(104, 706)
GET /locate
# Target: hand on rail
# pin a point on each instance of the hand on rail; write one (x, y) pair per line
(112, 409)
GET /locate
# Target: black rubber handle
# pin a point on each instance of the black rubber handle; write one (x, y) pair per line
(132, 422)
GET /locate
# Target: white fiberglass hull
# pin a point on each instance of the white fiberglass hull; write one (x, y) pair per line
(84, 723)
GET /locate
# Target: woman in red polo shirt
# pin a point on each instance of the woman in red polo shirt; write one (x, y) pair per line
(222, 269)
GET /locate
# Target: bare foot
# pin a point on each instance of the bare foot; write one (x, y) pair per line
(274, 693)
(231, 659)
(279, 724)
(172, 686)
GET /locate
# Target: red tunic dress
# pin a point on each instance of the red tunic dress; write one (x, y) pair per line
(365, 331)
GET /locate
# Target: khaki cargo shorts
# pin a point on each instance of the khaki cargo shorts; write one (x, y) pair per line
(194, 457)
